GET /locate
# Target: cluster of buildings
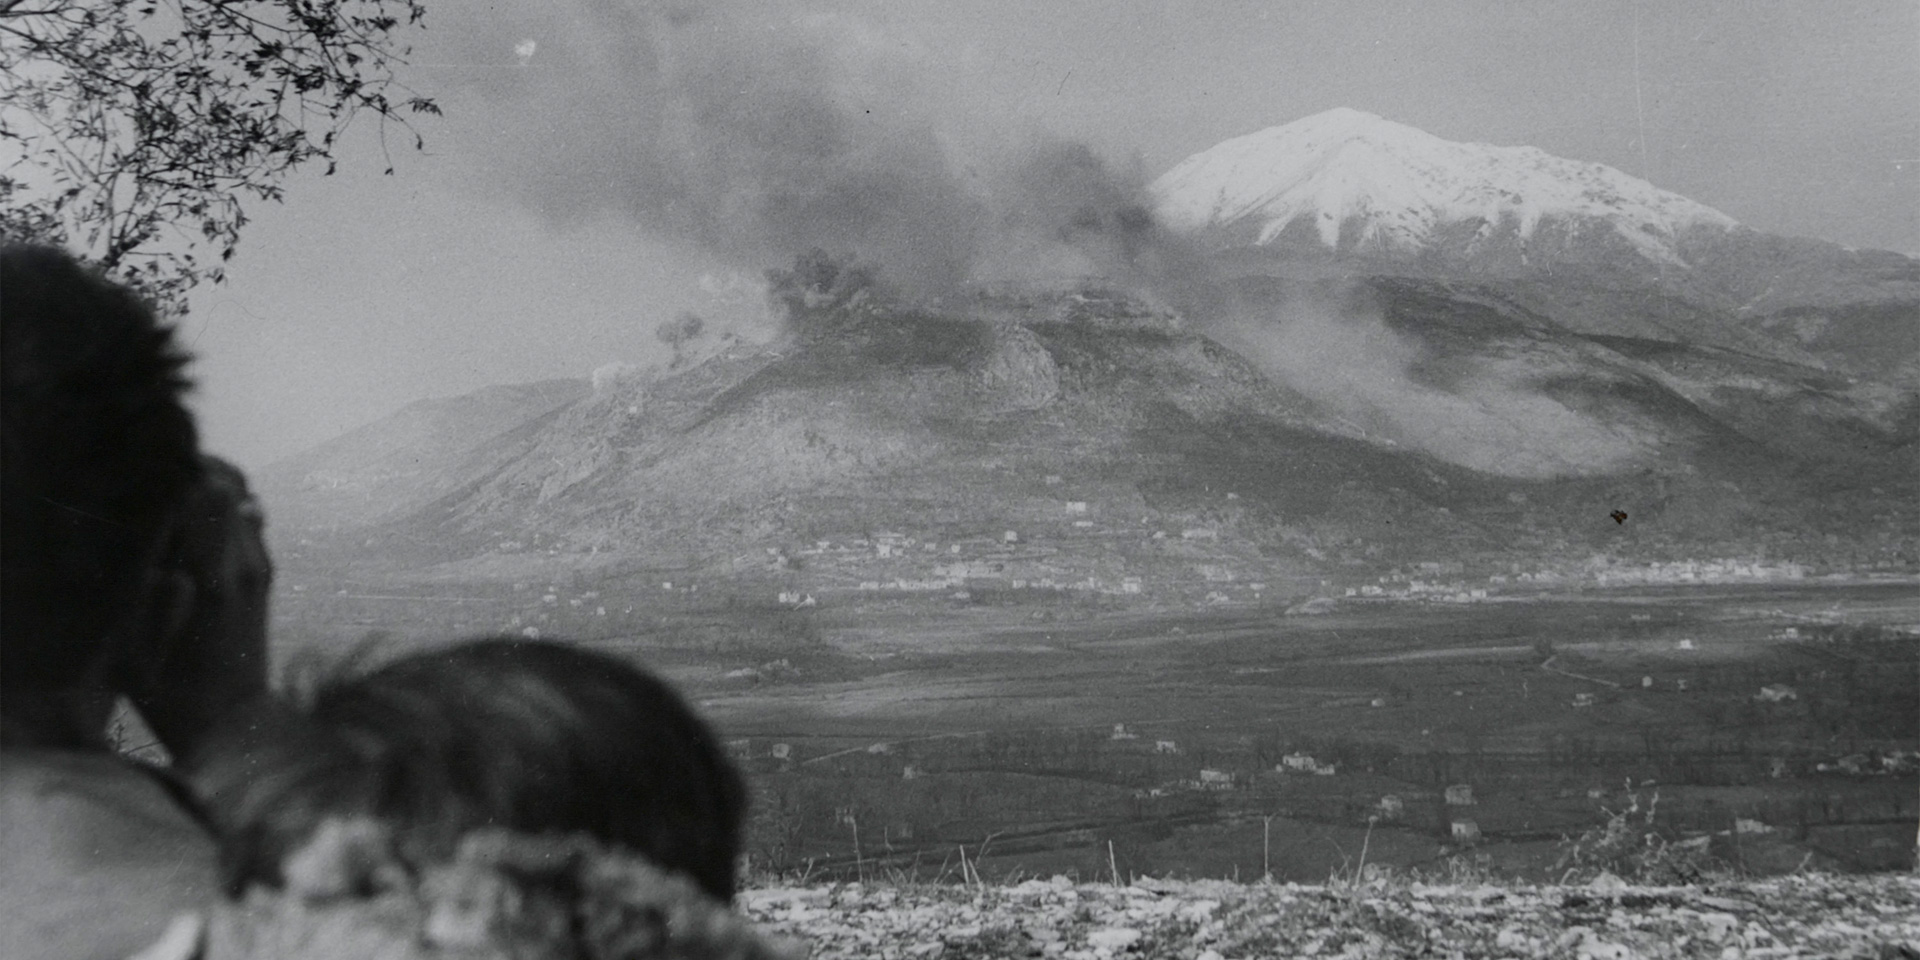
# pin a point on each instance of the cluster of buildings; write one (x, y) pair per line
(1419, 590)
(1613, 571)
(1011, 560)
(1607, 571)
(1425, 582)
(1886, 763)
(1302, 763)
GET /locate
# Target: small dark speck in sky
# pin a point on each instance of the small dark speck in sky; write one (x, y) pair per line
(1619, 516)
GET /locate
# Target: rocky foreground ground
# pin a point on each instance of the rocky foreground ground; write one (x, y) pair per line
(509, 897)
(1795, 916)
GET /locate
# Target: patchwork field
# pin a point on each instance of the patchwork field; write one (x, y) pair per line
(1766, 729)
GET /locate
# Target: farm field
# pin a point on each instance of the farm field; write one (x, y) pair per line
(1774, 728)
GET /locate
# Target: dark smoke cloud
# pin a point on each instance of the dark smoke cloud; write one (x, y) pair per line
(757, 138)
(1064, 213)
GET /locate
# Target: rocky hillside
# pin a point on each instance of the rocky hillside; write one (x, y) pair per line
(1083, 438)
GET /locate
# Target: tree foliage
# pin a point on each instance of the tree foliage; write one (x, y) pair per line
(680, 331)
(131, 131)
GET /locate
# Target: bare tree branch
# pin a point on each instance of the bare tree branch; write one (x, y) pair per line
(143, 126)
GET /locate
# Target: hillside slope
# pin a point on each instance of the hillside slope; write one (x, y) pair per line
(402, 461)
(1116, 445)
(1406, 348)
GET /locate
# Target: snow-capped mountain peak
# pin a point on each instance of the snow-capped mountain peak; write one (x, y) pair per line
(1387, 187)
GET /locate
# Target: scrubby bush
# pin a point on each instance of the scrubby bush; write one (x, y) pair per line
(1633, 846)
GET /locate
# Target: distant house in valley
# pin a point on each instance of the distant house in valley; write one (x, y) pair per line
(1776, 693)
(1298, 762)
(1853, 763)
(1165, 746)
(1390, 807)
(1465, 831)
(1460, 795)
(1216, 779)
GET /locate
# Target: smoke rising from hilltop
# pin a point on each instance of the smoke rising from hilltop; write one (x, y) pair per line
(703, 126)
(1065, 212)
(756, 138)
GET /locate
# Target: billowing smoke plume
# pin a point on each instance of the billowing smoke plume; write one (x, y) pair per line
(758, 138)
(1490, 415)
(1063, 211)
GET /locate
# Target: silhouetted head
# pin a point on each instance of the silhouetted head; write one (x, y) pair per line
(97, 452)
(533, 736)
(198, 647)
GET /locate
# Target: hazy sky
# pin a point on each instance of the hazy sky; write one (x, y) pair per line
(582, 185)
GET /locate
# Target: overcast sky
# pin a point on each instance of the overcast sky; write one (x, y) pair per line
(602, 167)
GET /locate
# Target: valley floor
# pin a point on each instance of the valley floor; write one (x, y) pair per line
(1766, 728)
(1807, 915)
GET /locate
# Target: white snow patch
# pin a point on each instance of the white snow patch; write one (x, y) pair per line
(1396, 184)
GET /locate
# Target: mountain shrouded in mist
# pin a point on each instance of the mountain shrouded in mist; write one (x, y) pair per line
(1356, 180)
(1120, 444)
(1368, 183)
(1599, 251)
(1392, 344)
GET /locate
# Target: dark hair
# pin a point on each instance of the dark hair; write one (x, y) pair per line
(525, 735)
(97, 450)
(198, 647)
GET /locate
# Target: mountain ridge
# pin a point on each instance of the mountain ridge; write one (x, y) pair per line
(1370, 183)
(1603, 252)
